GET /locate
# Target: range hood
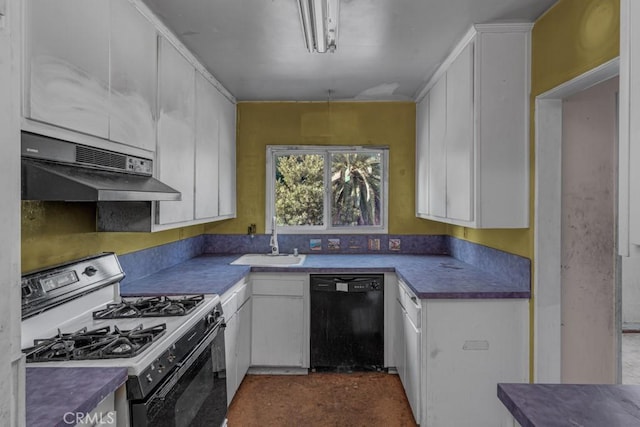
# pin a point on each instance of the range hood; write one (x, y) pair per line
(57, 170)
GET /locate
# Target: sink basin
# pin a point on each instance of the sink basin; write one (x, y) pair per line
(266, 260)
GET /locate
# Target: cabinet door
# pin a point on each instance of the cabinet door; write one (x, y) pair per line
(413, 361)
(68, 64)
(134, 77)
(437, 173)
(459, 137)
(208, 106)
(244, 340)
(465, 360)
(227, 161)
(231, 355)
(277, 331)
(399, 350)
(176, 144)
(422, 156)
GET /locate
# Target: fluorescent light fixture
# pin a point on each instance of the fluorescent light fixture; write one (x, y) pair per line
(319, 24)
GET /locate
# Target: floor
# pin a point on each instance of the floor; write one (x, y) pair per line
(631, 358)
(349, 400)
(321, 399)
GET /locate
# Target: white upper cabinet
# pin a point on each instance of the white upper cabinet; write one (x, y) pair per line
(215, 196)
(422, 156)
(477, 140)
(134, 79)
(176, 140)
(436, 186)
(208, 104)
(67, 64)
(459, 137)
(227, 177)
(108, 73)
(196, 143)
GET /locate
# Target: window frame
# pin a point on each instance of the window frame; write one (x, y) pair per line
(326, 151)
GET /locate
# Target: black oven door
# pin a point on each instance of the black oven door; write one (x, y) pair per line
(195, 395)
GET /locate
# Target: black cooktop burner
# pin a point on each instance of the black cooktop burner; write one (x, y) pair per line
(95, 344)
(160, 306)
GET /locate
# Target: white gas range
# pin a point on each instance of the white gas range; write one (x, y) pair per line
(73, 316)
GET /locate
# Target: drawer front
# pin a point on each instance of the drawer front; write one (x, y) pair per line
(229, 304)
(411, 303)
(243, 294)
(278, 287)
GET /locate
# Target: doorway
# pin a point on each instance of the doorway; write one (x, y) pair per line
(588, 229)
(569, 299)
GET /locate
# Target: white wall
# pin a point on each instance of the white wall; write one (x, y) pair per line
(589, 173)
(11, 362)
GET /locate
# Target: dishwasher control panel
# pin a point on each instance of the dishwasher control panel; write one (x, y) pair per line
(347, 283)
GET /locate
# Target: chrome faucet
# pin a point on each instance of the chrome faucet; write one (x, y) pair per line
(273, 242)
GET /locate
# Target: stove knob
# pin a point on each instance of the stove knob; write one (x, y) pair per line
(149, 378)
(211, 318)
(90, 271)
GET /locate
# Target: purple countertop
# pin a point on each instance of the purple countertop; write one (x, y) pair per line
(586, 405)
(429, 276)
(56, 395)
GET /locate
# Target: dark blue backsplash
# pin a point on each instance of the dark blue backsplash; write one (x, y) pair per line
(139, 264)
(515, 268)
(329, 244)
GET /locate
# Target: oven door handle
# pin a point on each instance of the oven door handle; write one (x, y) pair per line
(184, 365)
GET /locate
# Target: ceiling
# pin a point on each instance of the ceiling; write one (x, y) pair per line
(386, 49)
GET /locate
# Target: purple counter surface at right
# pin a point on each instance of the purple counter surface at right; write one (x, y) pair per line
(559, 405)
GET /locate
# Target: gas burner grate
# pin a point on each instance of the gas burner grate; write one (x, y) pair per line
(160, 306)
(99, 343)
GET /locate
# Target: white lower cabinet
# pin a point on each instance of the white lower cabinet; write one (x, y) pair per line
(244, 340)
(469, 347)
(413, 340)
(451, 354)
(279, 323)
(236, 309)
(230, 355)
(408, 326)
(399, 354)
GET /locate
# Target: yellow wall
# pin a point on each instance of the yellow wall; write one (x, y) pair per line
(389, 124)
(55, 232)
(571, 38)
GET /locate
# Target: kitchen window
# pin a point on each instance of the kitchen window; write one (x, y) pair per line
(327, 189)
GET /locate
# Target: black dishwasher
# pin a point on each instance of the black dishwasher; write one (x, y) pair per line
(347, 322)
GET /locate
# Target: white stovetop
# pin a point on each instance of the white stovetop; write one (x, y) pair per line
(75, 315)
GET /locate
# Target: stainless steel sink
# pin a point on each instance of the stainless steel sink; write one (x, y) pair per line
(267, 260)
